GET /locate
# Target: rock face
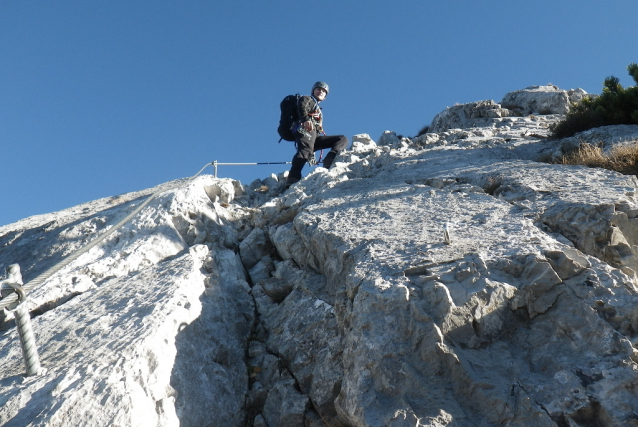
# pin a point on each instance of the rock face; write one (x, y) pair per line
(123, 330)
(448, 280)
(474, 114)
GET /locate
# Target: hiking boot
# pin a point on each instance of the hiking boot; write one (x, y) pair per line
(289, 181)
(292, 180)
(330, 158)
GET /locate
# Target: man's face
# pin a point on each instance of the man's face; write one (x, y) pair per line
(320, 93)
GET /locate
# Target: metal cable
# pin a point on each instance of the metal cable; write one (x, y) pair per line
(12, 298)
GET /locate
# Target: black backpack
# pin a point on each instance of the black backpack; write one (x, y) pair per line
(289, 115)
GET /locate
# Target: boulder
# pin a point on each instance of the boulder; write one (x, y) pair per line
(547, 99)
(388, 138)
(254, 247)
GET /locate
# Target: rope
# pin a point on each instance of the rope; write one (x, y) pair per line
(13, 297)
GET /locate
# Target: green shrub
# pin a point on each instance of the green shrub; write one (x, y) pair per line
(423, 130)
(615, 106)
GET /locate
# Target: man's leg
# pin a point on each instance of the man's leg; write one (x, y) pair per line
(305, 149)
(335, 142)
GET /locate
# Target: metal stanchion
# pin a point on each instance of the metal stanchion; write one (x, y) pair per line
(23, 320)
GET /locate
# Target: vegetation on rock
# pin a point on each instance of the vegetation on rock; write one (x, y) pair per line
(621, 158)
(615, 106)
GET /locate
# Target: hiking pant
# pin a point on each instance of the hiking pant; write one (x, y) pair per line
(310, 142)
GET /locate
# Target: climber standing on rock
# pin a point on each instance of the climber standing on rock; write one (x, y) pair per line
(307, 130)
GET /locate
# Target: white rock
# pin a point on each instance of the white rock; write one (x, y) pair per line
(388, 138)
(547, 99)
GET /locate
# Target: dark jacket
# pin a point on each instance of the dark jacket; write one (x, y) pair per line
(309, 109)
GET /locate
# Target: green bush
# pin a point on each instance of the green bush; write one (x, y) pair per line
(615, 106)
(423, 130)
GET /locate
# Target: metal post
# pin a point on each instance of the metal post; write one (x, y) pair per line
(215, 166)
(27, 340)
(23, 320)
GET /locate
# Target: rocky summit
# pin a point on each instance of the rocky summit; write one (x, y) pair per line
(451, 279)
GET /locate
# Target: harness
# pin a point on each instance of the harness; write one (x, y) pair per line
(316, 117)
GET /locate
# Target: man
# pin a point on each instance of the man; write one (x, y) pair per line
(307, 130)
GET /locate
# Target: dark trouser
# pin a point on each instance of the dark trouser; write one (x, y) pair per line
(310, 142)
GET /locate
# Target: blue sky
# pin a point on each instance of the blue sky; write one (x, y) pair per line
(100, 98)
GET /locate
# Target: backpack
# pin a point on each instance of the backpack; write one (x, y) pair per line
(289, 115)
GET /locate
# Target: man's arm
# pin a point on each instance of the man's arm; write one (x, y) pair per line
(305, 106)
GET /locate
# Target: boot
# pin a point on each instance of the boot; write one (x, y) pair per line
(295, 170)
(330, 158)
(291, 180)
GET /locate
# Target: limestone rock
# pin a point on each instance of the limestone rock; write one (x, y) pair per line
(362, 139)
(568, 262)
(224, 191)
(285, 406)
(577, 95)
(340, 301)
(388, 138)
(123, 329)
(547, 99)
(261, 271)
(253, 248)
(465, 308)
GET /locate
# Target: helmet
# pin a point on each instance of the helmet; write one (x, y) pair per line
(322, 85)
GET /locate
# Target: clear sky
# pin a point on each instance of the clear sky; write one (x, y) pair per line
(100, 98)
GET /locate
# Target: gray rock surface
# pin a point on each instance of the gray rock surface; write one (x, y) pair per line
(448, 280)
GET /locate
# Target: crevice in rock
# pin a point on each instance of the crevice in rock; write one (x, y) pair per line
(592, 415)
(587, 380)
(50, 305)
(512, 397)
(540, 405)
(252, 409)
(274, 384)
(6, 325)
